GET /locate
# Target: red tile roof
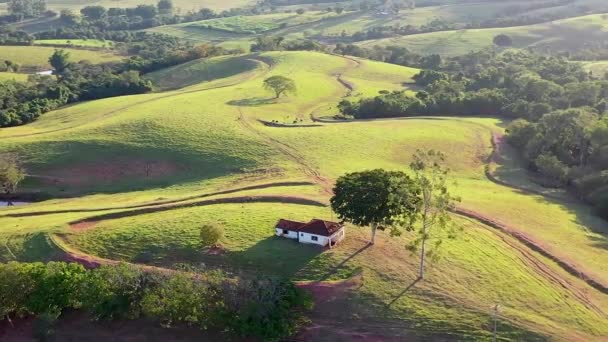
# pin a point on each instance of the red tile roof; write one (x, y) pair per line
(289, 225)
(315, 226)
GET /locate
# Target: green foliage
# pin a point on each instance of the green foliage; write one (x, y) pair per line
(503, 40)
(552, 168)
(112, 292)
(376, 198)
(26, 8)
(211, 234)
(266, 308)
(180, 299)
(280, 85)
(60, 60)
(93, 12)
(58, 287)
(431, 176)
(11, 173)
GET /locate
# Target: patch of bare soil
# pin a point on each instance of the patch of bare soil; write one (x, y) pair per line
(110, 171)
(215, 250)
(82, 226)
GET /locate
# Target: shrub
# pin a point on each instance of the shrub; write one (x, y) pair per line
(210, 234)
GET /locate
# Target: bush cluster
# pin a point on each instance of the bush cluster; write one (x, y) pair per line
(267, 308)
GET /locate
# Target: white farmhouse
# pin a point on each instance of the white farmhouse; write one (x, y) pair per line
(319, 232)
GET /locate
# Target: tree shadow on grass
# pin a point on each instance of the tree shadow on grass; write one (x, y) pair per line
(251, 102)
(274, 256)
(402, 293)
(337, 268)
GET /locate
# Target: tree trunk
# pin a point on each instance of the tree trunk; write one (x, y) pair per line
(422, 252)
(374, 229)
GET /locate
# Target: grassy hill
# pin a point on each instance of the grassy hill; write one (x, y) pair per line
(145, 172)
(88, 43)
(13, 76)
(36, 57)
(598, 68)
(184, 5)
(561, 35)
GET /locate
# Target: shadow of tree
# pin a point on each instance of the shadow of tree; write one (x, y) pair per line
(337, 268)
(402, 293)
(251, 102)
(275, 256)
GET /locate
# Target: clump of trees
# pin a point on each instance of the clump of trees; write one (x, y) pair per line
(280, 85)
(77, 81)
(25, 102)
(264, 308)
(560, 111)
(569, 148)
(393, 200)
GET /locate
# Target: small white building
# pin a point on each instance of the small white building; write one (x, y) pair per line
(319, 232)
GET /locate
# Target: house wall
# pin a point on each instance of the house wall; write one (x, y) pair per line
(290, 235)
(307, 238)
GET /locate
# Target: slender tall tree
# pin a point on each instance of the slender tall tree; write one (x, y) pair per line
(431, 176)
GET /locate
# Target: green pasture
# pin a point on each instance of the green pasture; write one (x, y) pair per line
(178, 147)
(90, 43)
(6, 76)
(562, 35)
(598, 68)
(37, 56)
(183, 5)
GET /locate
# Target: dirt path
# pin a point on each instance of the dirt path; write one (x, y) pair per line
(158, 203)
(291, 153)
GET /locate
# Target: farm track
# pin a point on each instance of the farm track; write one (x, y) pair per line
(174, 93)
(512, 231)
(152, 204)
(289, 152)
(88, 260)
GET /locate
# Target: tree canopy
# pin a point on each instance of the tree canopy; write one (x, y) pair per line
(376, 198)
(11, 173)
(280, 85)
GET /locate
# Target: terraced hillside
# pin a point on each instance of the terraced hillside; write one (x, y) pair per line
(142, 173)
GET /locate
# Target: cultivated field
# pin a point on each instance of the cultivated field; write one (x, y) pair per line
(145, 172)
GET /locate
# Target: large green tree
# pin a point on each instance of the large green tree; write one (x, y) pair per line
(280, 85)
(431, 175)
(60, 60)
(376, 198)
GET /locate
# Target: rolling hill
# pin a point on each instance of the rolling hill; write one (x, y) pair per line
(36, 57)
(133, 179)
(560, 35)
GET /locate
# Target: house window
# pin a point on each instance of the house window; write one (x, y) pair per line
(285, 231)
(314, 238)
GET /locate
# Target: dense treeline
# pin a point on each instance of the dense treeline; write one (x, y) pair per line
(25, 102)
(560, 111)
(266, 307)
